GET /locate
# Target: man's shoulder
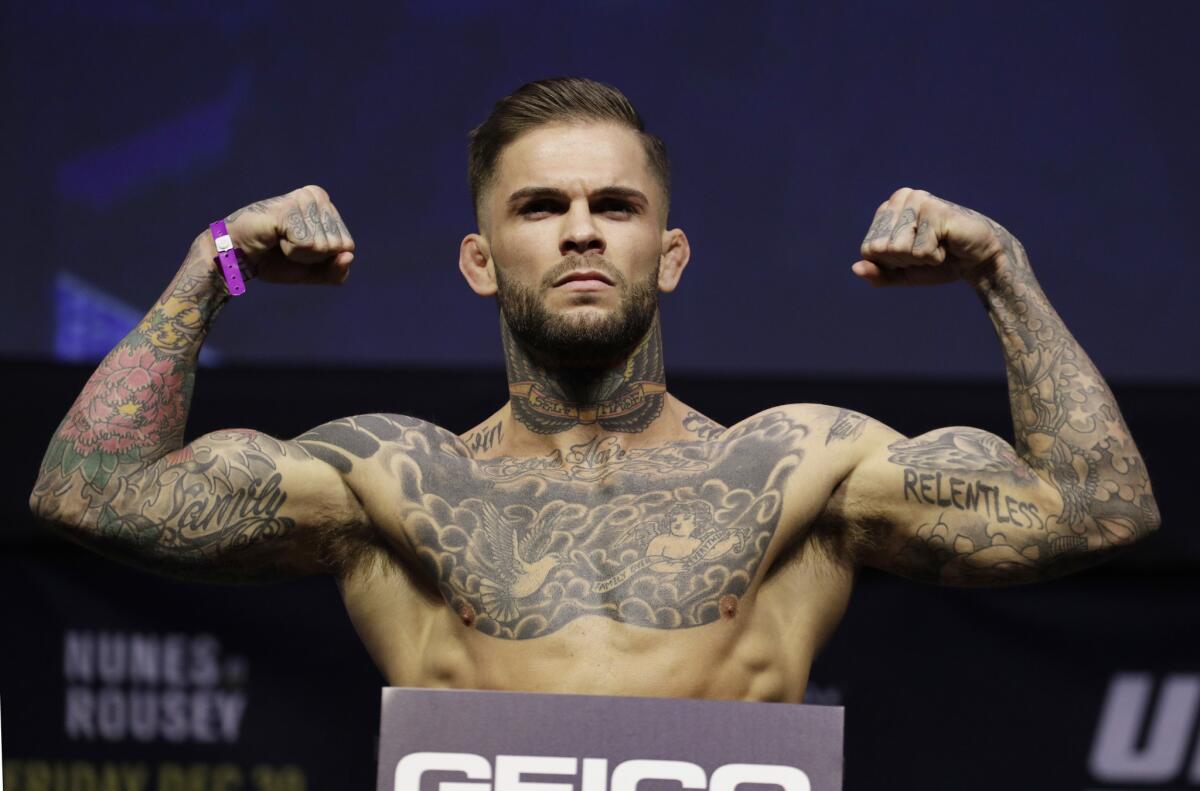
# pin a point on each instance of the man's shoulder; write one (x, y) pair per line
(367, 436)
(828, 422)
(837, 436)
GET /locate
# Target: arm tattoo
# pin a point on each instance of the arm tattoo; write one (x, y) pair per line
(1067, 424)
(1069, 433)
(847, 425)
(133, 409)
(961, 450)
(115, 474)
(203, 511)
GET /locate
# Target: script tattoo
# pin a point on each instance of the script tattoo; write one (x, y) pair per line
(210, 506)
(701, 426)
(599, 458)
(626, 399)
(482, 440)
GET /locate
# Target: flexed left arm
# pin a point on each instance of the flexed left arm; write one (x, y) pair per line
(1067, 427)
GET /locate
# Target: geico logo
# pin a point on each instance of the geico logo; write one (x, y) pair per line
(1119, 751)
(592, 773)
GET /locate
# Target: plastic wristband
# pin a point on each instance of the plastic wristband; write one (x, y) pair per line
(227, 256)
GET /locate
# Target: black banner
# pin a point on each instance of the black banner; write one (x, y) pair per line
(111, 678)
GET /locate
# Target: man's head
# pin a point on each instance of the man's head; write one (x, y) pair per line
(684, 519)
(564, 100)
(571, 198)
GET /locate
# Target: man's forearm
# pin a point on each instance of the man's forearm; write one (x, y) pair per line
(134, 408)
(1067, 425)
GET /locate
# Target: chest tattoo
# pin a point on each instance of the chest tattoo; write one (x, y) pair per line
(667, 537)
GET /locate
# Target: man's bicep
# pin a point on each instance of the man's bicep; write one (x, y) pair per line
(954, 506)
(234, 505)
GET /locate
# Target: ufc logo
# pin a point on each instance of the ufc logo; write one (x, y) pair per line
(1168, 724)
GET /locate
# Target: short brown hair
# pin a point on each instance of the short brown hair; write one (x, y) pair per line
(561, 99)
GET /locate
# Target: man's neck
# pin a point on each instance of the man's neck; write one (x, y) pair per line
(565, 403)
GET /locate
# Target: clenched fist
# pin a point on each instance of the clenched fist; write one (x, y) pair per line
(920, 239)
(294, 238)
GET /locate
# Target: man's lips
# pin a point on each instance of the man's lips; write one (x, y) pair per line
(584, 280)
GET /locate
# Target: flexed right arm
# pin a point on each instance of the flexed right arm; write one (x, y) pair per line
(232, 505)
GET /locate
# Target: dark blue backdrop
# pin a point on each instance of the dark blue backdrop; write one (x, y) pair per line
(130, 125)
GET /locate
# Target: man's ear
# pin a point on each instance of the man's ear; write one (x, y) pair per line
(675, 254)
(475, 263)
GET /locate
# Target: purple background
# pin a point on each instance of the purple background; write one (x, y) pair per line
(129, 126)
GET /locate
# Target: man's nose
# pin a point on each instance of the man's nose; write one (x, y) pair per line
(580, 232)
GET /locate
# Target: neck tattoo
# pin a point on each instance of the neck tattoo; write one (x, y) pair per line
(624, 398)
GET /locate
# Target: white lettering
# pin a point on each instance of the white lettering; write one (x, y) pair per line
(81, 707)
(1116, 756)
(111, 653)
(730, 776)
(202, 714)
(79, 648)
(143, 715)
(509, 769)
(143, 659)
(230, 709)
(628, 774)
(595, 774)
(413, 767)
(173, 660)
(206, 661)
(173, 726)
(111, 715)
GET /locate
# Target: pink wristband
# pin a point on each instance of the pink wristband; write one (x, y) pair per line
(227, 255)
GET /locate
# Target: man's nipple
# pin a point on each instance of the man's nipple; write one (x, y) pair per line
(467, 613)
(728, 605)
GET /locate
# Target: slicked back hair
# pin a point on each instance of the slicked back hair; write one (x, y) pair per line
(557, 100)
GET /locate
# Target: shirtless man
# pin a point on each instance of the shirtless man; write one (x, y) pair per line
(515, 557)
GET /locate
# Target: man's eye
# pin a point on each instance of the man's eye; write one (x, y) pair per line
(617, 207)
(537, 207)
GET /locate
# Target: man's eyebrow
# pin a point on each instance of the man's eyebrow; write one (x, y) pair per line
(527, 193)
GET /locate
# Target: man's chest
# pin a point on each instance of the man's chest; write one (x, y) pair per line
(670, 537)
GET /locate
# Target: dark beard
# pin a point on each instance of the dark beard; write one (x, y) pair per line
(570, 341)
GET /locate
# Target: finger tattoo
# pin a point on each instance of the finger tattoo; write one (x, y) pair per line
(922, 234)
(314, 217)
(881, 227)
(907, 217)
(331, 225)
(297, 228)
